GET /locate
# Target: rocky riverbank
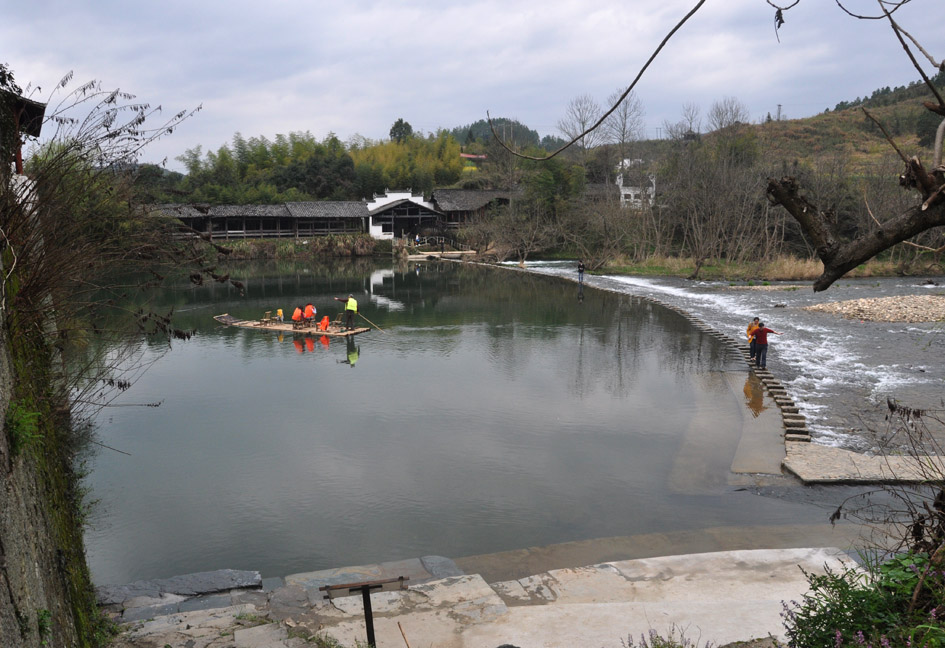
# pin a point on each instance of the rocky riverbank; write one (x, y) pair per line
(906, 308)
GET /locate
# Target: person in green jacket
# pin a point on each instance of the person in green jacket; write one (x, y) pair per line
(351, 308)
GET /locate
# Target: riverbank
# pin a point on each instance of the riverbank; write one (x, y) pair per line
(909, 308)
(781, 268)
(720, 597)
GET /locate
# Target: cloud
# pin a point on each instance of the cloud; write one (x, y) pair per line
(355, 67)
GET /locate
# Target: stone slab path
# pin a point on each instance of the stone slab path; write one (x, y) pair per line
(817, 464)
(718, 597)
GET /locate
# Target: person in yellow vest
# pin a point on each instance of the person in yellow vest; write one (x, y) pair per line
(279, 314)
(351, 308)
(752, 327)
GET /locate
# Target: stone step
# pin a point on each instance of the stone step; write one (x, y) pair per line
(799, 438)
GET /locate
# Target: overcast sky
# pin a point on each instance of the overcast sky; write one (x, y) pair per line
(355, 66)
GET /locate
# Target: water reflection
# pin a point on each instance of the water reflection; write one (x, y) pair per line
(494, 414)
(353, 352)
(754, 394)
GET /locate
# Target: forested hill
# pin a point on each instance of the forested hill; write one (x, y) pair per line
(887, 96)
(848, 134)
(298, 167)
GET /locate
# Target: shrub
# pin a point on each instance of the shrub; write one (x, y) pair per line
(22, 426)
(836, 609)
(896, 603)
(654, 639)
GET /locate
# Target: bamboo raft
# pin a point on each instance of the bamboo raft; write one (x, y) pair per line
(334, 329)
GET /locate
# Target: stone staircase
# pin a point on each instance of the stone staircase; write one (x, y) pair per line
(719, 597)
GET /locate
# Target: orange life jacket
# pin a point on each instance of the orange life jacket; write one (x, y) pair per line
(297, 315)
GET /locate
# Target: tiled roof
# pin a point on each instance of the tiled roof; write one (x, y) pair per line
(254, 211)
(328, 209)
(391, 205)
(449, 200)
(175, 211)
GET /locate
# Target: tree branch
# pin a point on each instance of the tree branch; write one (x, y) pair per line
(896, 5)
(813, 222)
(840, 258)
(940, 64)
(896, 30)
(886, 133)
(600, 121)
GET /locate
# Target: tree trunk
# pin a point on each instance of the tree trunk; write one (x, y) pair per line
(840, 257)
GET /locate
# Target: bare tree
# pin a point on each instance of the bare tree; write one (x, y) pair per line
(624, 124)
(689, 125)
(581, 114)
(727, 112)
(517, 233)
(598, 231)
(691, 115)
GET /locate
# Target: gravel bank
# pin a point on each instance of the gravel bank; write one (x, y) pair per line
(908, 308)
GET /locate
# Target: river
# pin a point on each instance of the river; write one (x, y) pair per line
(489, 410)
(841, 372)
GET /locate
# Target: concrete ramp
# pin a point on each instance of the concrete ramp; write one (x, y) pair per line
(718, 597)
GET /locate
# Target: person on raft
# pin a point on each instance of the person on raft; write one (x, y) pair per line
(351, 308)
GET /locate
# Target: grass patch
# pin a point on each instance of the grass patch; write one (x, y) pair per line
(22, 425)
(782, 268)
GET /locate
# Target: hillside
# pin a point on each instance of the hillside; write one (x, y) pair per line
(848, 133)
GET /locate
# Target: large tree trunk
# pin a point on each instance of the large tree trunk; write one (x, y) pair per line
(839, 257)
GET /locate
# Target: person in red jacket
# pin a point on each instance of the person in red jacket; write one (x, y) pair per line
(309, 312)
(297, 314)
(761, 344)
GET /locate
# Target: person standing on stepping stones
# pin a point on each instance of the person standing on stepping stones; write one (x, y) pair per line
(752, 327)
(761, 344)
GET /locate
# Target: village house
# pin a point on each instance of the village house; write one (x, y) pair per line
(392, 214)
(637, 189)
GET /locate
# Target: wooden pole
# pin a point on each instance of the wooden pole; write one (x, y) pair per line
(368, 614)
(373, 324)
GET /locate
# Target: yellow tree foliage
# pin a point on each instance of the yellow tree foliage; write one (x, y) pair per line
(417, 163)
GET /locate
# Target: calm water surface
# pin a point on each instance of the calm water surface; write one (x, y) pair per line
(498, 411)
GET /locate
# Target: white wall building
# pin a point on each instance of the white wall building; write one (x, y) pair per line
(635, 196)
(396, 213)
